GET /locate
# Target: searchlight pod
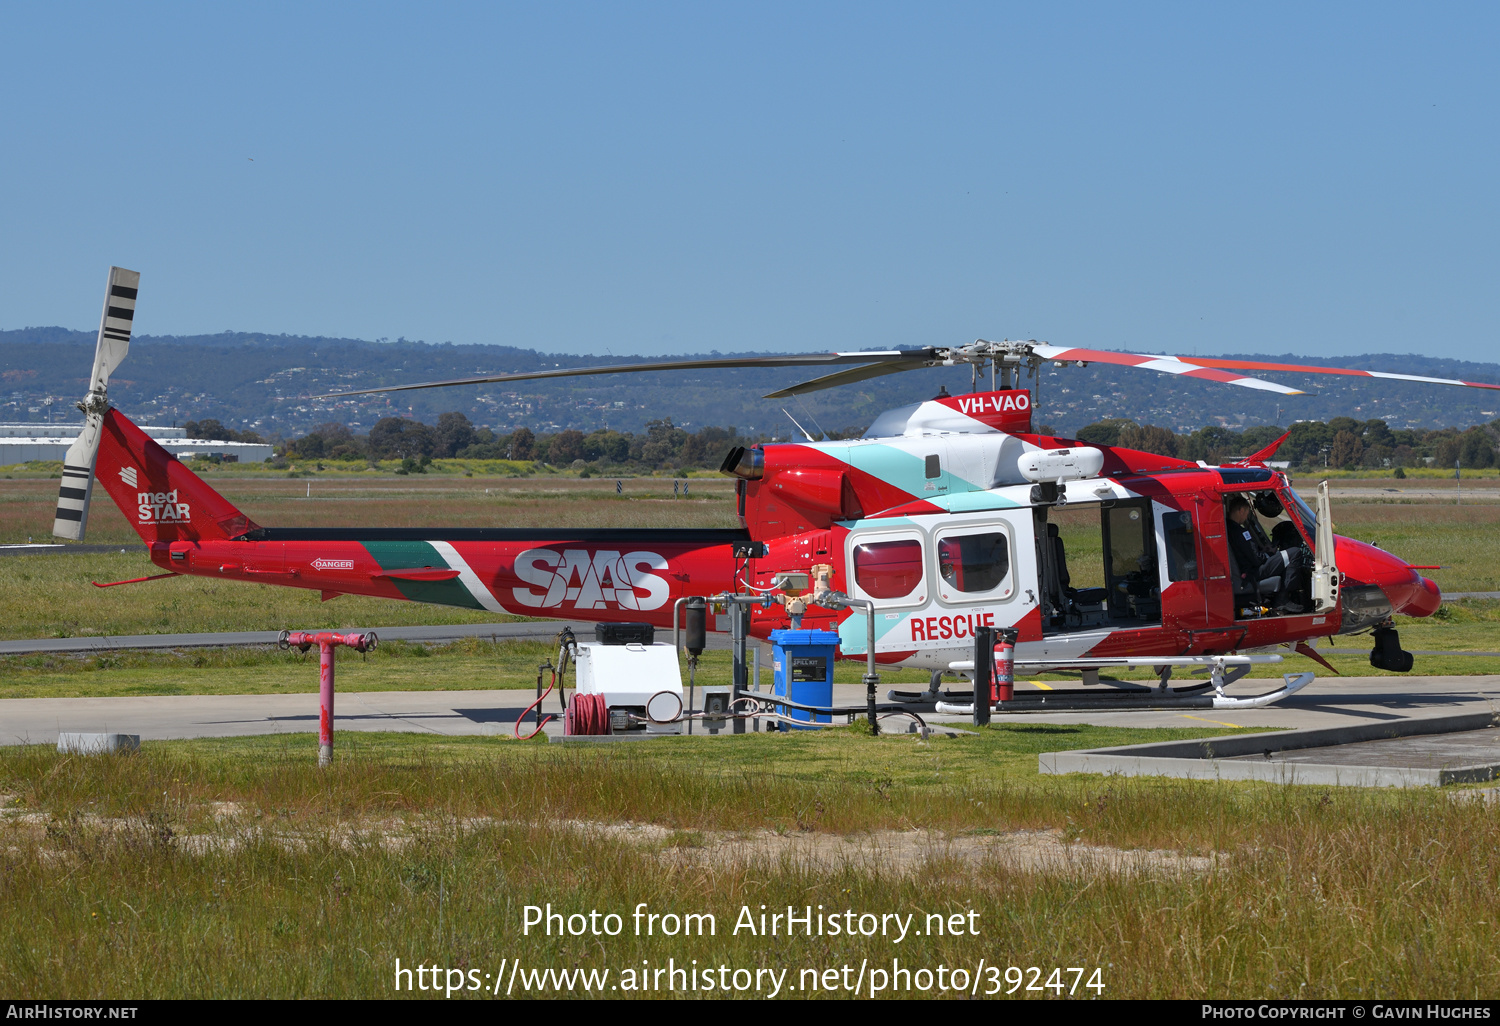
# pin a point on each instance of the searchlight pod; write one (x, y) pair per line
(1054, 466)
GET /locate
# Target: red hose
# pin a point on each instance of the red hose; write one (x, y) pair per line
(587, 714)
(545, 719)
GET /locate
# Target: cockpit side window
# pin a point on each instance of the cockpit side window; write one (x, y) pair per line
(1182, 553)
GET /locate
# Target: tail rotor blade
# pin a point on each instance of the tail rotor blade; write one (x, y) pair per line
(115, 324)
(78, 481)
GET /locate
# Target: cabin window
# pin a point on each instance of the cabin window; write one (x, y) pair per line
(1182, 553)
(934, 467)
(1127, 541)
(975, 563)
(1131, 572)
(888, 569)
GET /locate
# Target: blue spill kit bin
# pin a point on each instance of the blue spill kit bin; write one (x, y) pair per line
(803, 665)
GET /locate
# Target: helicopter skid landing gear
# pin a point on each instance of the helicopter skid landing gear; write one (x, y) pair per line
(934, 692)
(1142, 699)
(1388, 653)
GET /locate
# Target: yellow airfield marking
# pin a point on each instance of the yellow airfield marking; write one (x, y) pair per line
(1044, 687)
(1217, 723)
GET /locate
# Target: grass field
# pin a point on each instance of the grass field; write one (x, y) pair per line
(234, 869)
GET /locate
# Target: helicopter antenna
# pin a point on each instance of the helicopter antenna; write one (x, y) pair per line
(799, 427)
(1036, 388)
(811, 416)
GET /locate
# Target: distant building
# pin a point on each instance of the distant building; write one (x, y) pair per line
(23, 443)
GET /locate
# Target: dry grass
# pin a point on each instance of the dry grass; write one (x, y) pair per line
(427, 852)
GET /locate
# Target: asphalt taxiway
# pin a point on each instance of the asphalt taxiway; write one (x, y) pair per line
(1328, 702)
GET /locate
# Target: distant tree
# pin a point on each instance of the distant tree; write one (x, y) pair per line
(212, 430)
(606, 446)
(566, 447)
(663, 443)
(308, 447)
(1104, 432)
(1347, 450)
(692, 451)
(1306, 442)
(1476, 448)
(1378, 432)
(1149, 438)
(1257, 438)
(400, 438)
(209, 429)
(331, 440)
(522, 444)
(1447, 447)
(452, 435)
(1211, 444)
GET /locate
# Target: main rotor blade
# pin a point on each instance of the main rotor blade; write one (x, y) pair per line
(718, 363)
(1300, 368)
(1193, 368)
(848, 377)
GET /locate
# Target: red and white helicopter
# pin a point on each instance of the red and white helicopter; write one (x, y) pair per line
(944, 517)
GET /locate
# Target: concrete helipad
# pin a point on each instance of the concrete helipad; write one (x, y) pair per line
(1423, 751)
(1328, 702)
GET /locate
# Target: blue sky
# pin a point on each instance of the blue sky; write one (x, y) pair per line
(682, 178)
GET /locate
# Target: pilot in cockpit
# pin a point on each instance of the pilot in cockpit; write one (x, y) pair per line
(1266, 568)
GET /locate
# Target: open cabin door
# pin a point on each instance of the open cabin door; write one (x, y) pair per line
(1325, 578)
(1098, 566)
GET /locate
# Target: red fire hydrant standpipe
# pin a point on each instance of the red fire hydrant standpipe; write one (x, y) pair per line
(326, 642)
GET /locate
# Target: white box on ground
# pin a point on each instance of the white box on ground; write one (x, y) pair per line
(97, 744)
(628, 675)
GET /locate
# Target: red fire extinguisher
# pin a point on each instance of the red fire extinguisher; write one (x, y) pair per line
(1004, 687)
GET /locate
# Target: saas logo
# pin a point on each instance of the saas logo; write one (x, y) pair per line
(333, 564)
(601, 580)
(160, 507)
(127, 474)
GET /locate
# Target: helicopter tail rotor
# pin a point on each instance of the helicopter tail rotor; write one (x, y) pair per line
(113, 343)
